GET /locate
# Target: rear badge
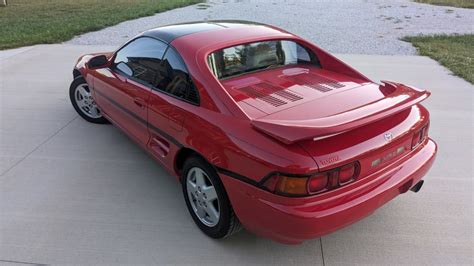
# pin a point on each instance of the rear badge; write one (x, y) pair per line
(388, 136)
(388, 156)
(330, 160)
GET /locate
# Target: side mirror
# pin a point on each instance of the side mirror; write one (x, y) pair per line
(98, 61)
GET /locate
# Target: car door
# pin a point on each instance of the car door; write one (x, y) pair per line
(167, 105)
(127, 91)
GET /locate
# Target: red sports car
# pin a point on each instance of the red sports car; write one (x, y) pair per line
(262, 128)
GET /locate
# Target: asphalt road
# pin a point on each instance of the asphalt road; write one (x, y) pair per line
(339, 26)
(74, 192)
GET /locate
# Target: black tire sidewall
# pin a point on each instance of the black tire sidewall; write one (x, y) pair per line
(72, 90)
(221, 229)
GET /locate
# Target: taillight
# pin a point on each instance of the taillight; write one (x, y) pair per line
(419, 136)
(314, 184)
(416, 139)
(347, 173)
(292, 185)
(318, 183)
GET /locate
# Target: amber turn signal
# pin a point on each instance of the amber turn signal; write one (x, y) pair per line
(292, 185)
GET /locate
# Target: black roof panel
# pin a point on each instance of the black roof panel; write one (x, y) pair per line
(169, 33)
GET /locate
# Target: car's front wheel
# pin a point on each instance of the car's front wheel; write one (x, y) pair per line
(84, 104)
(207, 200)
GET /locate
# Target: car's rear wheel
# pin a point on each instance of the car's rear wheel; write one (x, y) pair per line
(84, 104)
(207, 200)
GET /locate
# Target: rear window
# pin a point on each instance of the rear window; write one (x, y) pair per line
(250, 57)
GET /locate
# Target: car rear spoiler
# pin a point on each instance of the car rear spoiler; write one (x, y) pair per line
(398, 97)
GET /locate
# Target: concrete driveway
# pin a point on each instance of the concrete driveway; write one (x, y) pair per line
(339, 26)
(74, 192)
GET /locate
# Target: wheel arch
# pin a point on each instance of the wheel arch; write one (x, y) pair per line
(182, 155)
(76, 73)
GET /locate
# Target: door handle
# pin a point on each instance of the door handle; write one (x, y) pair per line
(140, 102)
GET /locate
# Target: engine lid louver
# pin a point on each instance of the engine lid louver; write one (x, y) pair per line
(316, 82)
(270, 94)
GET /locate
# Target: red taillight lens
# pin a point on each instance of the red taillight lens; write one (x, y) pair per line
(416, 139)
(347, 173)
(424, 132)
(419, 136)
(318, 183)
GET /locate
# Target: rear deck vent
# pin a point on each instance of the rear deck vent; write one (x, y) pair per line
(327, 81)
(256, 94)
(268, 88)
(288, 95)
(317, 82)
(319, 87)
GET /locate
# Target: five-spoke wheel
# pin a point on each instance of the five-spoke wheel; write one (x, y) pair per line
(207, 200)
(203, 196)
(84, 103)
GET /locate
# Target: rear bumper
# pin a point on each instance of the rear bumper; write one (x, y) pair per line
(293, 220)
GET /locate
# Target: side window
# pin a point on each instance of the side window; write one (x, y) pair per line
(141, 59)
(176, 79)
(302, 53)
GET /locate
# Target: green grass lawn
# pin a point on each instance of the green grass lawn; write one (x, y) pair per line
(28, 22)
(455, 3)
(454, 52)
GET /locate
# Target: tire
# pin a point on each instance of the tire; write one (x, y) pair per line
(83, 103)
(227, 223)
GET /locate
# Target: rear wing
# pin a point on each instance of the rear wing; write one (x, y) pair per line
(398, 97)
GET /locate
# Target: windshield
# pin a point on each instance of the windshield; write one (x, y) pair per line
(244, 58)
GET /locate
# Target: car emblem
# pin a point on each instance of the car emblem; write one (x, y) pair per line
(388, 136)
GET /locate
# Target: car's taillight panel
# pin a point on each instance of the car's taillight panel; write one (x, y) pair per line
(291, 185)
(419, 136)
(313, 184)
(318, 182)
(347, 173)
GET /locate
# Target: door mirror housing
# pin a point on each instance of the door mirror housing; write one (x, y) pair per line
(99, 61)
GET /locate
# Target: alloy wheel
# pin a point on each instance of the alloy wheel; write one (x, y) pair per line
(202, 196)
(85, 102)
